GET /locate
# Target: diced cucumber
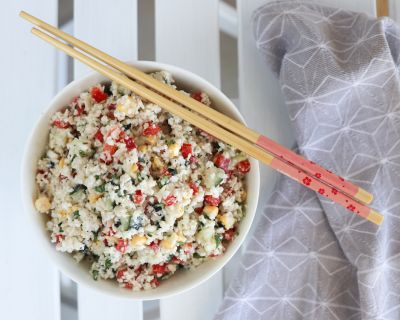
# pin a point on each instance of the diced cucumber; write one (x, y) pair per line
(213, 177)
(125, 223)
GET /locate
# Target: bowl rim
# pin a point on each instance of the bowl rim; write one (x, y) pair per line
(52, 254)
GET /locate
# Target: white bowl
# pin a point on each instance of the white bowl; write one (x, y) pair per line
(179, 282)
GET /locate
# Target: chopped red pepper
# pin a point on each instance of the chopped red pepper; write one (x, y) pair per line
(121, 136)
(170, 200)
(186, 150)
(151, 129)
(121, 245)
(154, 246)
(129, 143)
(199, 210)
(61, 124)
(111, 149)
(121, 272)
(128, 285)
(229, 234)
(196, 95)
(111, 115)
(155, 282)
(160, 268)
(193, 160)
(243, 166)
(111, 232)
(165, 172)
(80, 110)
(98, 95)
(194, 187)
(112, 106)
(59, 237)
(99, 136)
(221, 162)
(176, 260)
(188, 248)
(137, 197)
(212, 201)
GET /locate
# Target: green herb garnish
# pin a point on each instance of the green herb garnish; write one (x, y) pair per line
(158, 206)
(101, 188)
(108, 264)
(196, 255)
(172, 171)
(77, 188)
(162, 182)
(95, 274)
(218, 239)
(76, 214)
(127, 126)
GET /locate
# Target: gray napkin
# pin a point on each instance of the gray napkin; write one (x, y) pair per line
(310, 258)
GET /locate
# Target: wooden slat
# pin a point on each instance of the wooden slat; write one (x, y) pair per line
(29, 281)
(382, 8)
(187, 35)
(93, 305)
(112, 28)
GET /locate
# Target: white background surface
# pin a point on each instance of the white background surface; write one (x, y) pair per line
(181, 32)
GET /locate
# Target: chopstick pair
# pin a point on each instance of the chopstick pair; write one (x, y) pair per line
(221, 126)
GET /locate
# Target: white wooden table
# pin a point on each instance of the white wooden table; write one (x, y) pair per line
(186, 33)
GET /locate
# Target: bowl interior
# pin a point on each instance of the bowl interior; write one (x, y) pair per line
(181, 281)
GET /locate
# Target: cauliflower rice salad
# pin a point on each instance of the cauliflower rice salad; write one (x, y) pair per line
(137, 192)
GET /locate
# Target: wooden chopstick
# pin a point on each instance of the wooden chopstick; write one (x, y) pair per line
(217, 131)
(277, 150)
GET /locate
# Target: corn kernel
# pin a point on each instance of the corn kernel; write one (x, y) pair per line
(61, 163)
(180, 211)
(173, 150)
(93, 197)
(180, 237)
(138, 240)
(211, 211)
(227, 220)
(151, 140)
(157, 163)
(176, 211)
(62, 213)
(143, 148)
(42, 204)
(72, 209)
(169, 243)
(134, 168)
(122, 108)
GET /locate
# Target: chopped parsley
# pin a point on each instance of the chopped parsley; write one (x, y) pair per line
(77, 188)
(101, 188)
(108, 264)
(75, 214)
(158, 206)
(162, 182)
(95, 274)
(218, 239)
